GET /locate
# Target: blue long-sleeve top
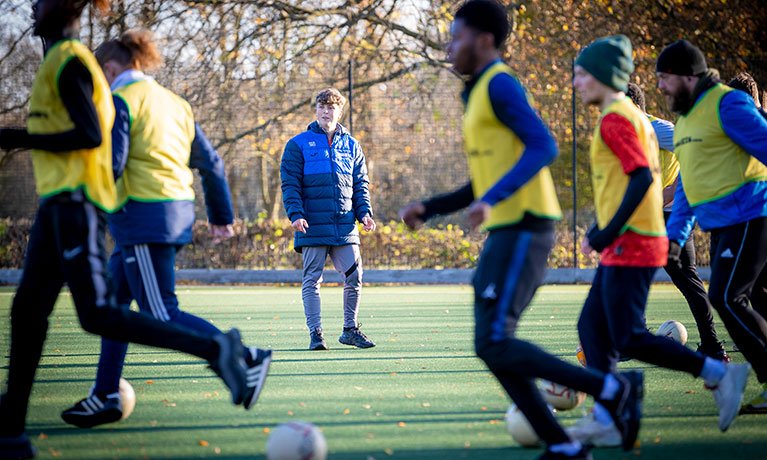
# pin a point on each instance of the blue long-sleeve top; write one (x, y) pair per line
(168, 222)
(510, 105)
(744, 124)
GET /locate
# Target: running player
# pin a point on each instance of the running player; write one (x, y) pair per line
(68, 128)
(720, 140)
(686, 278)
(512, 193)
(631, 236)
(155, 142)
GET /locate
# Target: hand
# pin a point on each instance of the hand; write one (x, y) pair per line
(478, 212)
(220, 233)
(674, 255)
(368, 224)
(300, 225)
(586, 248)
(412, 215)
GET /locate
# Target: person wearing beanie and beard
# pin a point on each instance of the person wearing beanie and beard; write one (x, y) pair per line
(631, 236)
(720, 140)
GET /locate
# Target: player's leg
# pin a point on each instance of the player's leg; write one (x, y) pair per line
(598, 347)
(314, 258)
(689, 283)
(35, 297)
(102, 405)
(347, 261)
(510, 270)
(80, 225)
(739, 257)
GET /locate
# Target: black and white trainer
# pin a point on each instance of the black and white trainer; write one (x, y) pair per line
(257, 363)
(94, 410)
(626, 407)
(230, 364)
(353, 336)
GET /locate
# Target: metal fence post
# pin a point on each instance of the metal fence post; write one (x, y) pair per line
(351, 98)
(575, 173)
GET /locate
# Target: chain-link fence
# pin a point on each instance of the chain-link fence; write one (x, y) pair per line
(410, 130)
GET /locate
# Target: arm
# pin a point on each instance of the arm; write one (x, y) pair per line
(120, 136)
(668, 193)
(744, 124)
(205, 159)
(664, 131)
(621, 138)
(360, 182)
(510, 105)
(76, 89)
(292, 175)
(682, 219)
(449, 202)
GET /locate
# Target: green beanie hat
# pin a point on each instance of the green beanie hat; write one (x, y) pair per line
(609, 60)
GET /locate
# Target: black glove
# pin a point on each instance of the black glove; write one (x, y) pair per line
(12, 138)
(599, 239)
(674, 254)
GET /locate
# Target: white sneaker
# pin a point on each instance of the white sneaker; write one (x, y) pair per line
(588, 431)
(729, 393)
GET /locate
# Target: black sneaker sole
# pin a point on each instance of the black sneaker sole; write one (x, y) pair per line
(89, 421)
(355, 345)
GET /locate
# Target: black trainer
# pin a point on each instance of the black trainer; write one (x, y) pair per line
(715, 351)
(94, 410)
(317, 340)
(626, 408)
(353, 336)
(17, 448)
(583, 454)
(257, 362)
(230, 364)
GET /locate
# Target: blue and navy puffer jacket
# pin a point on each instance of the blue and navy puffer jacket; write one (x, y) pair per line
(325, 183)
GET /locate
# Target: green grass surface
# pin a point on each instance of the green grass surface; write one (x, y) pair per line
(421, 393)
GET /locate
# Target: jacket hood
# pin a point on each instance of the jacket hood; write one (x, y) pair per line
(315, 128)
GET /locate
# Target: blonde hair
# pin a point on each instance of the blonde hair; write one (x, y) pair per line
(331, 96)
(136, 47)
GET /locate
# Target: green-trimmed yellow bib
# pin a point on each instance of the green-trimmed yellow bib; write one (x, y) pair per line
(493, 149)
(161, 135)
(610, 182)
(712, 165)
(89, 169)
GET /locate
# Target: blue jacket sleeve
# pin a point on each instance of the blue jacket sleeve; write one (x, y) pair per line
(292, 176)
(664, 131)
(120, 136)
(206, 160)
(682, 219)
(744, 124)
(510, 105)
(360, 193)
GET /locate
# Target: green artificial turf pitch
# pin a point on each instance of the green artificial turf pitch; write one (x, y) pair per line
(420, 393)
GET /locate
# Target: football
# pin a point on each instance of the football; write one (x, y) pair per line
(520, 429)
(127, 398)
(296, 441)
(561, 397)
(673, 330)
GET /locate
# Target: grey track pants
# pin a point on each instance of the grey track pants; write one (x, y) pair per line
(346, 260)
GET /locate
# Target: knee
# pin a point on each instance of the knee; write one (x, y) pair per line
(98, 320)
(497, 355)
(354, 279)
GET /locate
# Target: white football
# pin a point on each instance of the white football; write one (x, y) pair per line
(296, 441)
(561, 397)
(520, 429)
(127, 398)
(673, 330)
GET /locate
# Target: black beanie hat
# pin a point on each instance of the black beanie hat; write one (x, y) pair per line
(681, 58)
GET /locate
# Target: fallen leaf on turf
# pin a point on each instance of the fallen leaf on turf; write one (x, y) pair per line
(392, 340)
(467, 444)
(401, 424)
(425, 404)
(55, 453)
(388, 451)
(357, 388)
(410, 396)
(366, 406)
(493, 421)
(302, 404)
(656, 440)
(208, 395)
(215, 393)
(483, 408)
(346, 411)
(290, 412)
(217, 450)
(276, 317)
(149, 382)
(170, 405)
(267, 430)
(42, 436)
(203, 443)
(164, 400)
(689, 392)
(370, 436)
(393, 373)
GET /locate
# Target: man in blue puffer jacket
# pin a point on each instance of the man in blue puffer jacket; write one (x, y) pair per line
(325, 192)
